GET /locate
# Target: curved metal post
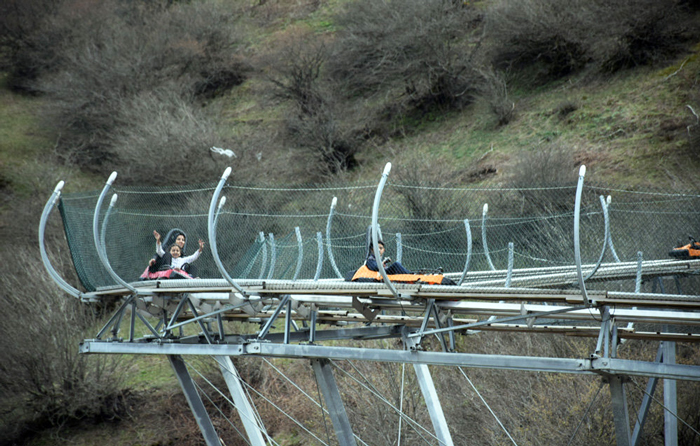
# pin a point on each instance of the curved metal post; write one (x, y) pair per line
(610, 242)
(101, 251)
(469, 251)
(48, 208)
(301, 252)
(509, 273)
(605, 240)
(273, 255)
(263, 262)
(577, 239)
(483, 236)
(319, 264)
(328, 238)
(375, 230)
(399, 248)
(211, 229)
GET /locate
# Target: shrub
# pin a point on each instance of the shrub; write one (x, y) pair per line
(417, 50)
(43, 378)
(554, 38)
(123, 53)
(320, 125)
(634, 33)
(547, 34)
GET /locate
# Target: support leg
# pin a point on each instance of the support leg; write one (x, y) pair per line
(620, 410)
(245, 409)
(427, 387)
(670, 398)
(195, 401)
(336, 409)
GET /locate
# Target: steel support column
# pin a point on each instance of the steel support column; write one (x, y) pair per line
(336, 409)
(245, 409)
(427, 387)
(620, 410)
(194, 400)
(670, 398)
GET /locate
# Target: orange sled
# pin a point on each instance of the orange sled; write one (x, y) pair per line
(686, 252)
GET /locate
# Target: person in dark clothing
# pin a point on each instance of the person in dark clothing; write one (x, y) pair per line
(162, 260)
(389, 267)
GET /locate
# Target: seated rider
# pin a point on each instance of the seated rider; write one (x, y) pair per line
(390, 268)
(177, 262)
(162, 260)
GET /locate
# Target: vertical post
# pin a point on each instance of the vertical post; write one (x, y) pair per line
(509, 274)
(427, 387)
(245, 409)
(263, 263)
(328, 238)
(336, 409)
(577, 239)
(300, 255)
(194, 400)
(469, 251)
(620, 410)
(319, 264)
(670, 397)
(273, 255)
(484, 212)
(399, 248)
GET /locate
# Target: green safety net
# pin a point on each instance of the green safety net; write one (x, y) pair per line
(423, 227)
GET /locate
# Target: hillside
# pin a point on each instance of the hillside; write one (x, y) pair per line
(288, 123)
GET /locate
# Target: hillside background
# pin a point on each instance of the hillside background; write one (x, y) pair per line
(494, 92)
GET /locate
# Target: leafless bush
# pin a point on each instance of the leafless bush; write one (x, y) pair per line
(22, 53)
(548, 34)
(120, 52)
(319, 125)
(163, 138)
(557, 38)
(634, 33)
(495, 91)
(42, 376)
(551, 164)
(418, 51)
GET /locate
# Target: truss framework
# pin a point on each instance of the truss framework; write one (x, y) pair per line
(500, 301)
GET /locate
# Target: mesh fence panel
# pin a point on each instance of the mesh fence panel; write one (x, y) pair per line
(423, 227)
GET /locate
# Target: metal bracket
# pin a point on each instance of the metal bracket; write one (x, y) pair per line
(364, 309)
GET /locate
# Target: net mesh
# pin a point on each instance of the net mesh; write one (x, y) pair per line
(274, 232)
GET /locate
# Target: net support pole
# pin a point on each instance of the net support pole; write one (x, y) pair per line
(399, 247)
(194, 400)
(334, 403)
(484, 213)
(300, 251)
(241, 402)
(319, 264)
(273, 255)
(48, 208)
(263, 262)
(375, 230)
(577, 238)
(101, 250)
(328, 238)
(610, 242)
(468, 229)
(211, 229)
(432, 401)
